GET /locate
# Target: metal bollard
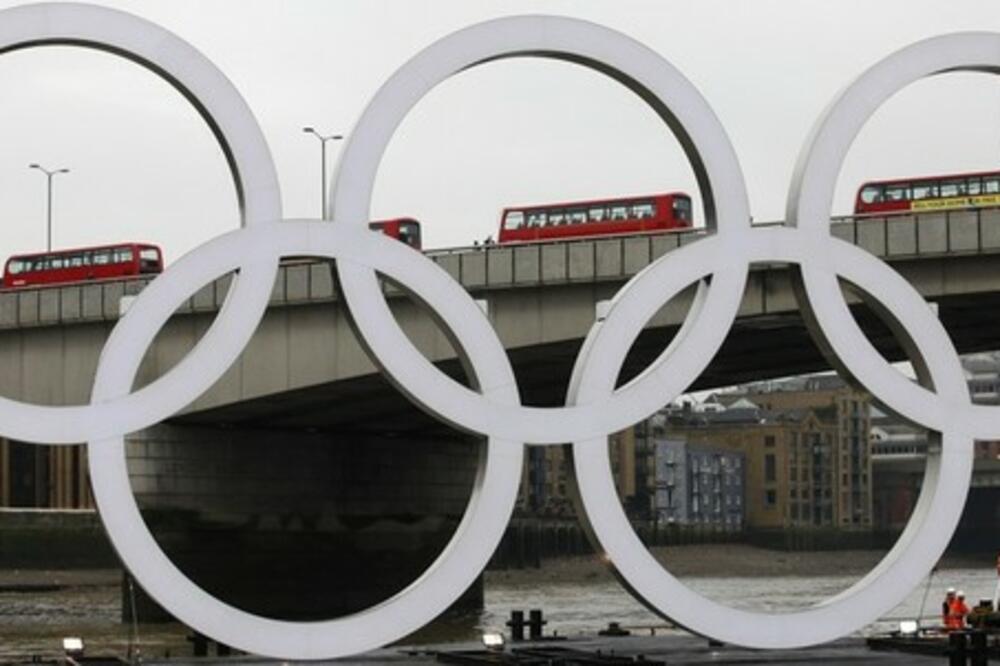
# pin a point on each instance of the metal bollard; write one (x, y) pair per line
(516, 624)
(956, 649)
(535, 624)
(979, 651)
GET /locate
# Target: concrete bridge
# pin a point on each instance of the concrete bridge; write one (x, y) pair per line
(303, 458)
(304, 367)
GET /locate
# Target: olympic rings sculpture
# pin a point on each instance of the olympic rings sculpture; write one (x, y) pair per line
(595, 408)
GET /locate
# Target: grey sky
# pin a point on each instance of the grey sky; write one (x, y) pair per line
(146, 168)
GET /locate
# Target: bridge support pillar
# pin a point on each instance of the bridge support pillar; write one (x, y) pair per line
(297, 525)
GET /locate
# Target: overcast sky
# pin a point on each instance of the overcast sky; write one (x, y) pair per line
(145, 167)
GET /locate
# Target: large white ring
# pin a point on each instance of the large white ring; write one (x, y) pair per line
(493, 495)
(810, 199)
(242, 142)
(916, 551)
(680, 106)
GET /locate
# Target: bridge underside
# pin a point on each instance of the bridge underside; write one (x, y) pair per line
(756, 348)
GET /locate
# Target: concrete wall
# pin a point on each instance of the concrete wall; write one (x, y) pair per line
(53, 539)
(301, 526)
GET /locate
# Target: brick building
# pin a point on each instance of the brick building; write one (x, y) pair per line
(546, 482)
(807, 449)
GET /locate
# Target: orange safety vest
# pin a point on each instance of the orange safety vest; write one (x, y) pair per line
(956, 615)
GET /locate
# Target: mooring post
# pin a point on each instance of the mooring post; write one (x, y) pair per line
(516, 624)
(979, 653)
(535, 624)
(956, 649)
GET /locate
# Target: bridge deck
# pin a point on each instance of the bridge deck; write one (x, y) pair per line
(485, 268)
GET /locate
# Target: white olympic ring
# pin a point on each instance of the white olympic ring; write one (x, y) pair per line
(242, 141)
(595, 407)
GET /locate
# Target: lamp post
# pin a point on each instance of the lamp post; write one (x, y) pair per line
(49, 175)
(322, 147)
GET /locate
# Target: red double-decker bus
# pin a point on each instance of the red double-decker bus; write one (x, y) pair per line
(404, 229)
(929, 193)
(81, 264)
(656, 212)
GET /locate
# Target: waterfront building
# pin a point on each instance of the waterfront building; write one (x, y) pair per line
(43, 477)
(898, 449)
(982, 372)
(807, 449)
(696, 485)
(546, 482)
(892, 438)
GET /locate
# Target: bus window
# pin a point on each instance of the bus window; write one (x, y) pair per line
(643, 211)
(123, 256)
(149, 259)
(682, 208)
(536, 219)
(16, 266)
(897, 192)
(597, 214)
(102, 257)
(619, 213)
(924, 191)
(991, 185)
(513, 220)
(557, 217)
(871, 194)
(578, 216)
(409, 233)
(76, 261)
(953, 188)
(973, 186)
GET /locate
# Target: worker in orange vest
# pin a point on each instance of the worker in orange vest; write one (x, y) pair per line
(957, 613)
(949, 599)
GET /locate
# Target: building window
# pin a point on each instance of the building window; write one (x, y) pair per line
(770, 468)
(770, 498)
(769, 441)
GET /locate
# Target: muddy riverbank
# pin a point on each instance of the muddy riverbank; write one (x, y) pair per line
(725, 560)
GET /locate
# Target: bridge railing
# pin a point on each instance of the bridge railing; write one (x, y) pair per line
(484, 267)
(967, 230)
(975, 230)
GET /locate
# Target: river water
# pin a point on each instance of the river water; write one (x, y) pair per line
(35, 622)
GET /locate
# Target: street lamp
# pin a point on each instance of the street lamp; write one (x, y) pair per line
(48, 175)
(322, 148)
